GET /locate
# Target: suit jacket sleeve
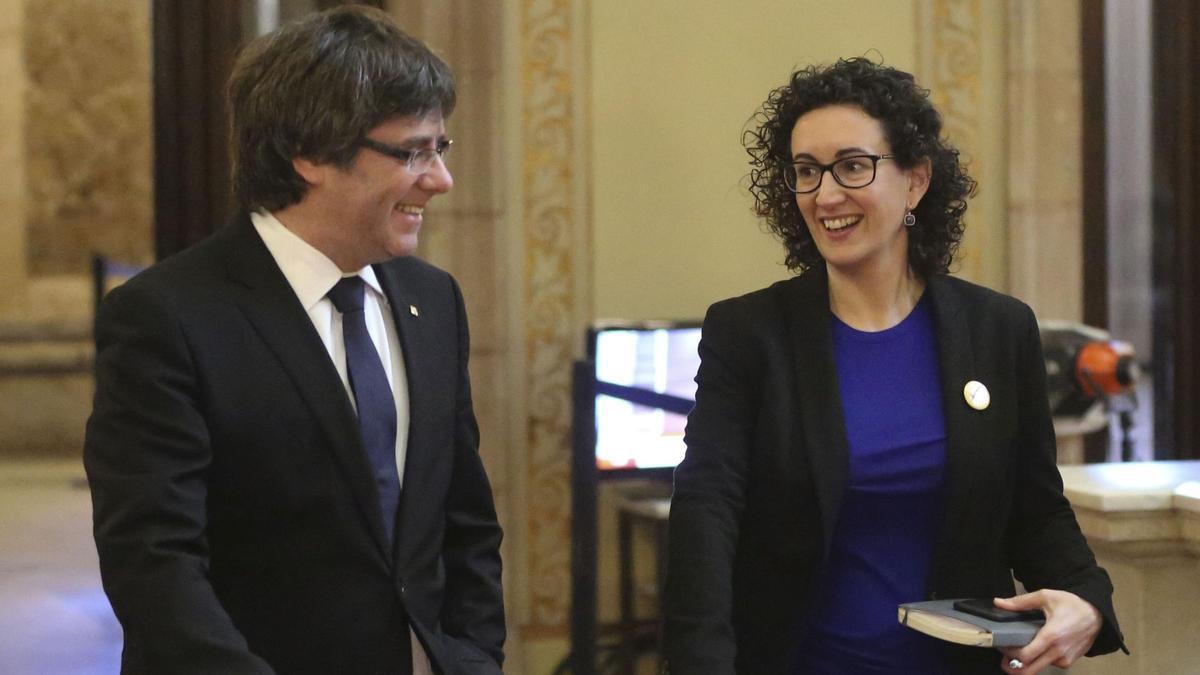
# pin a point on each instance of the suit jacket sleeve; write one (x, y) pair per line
(146, 453)
(707, 505)
(473, 607)
(1045, 543)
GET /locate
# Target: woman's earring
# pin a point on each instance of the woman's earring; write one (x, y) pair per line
(909, 219)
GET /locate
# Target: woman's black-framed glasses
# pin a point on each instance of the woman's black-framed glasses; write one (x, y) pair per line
(855, 171)
(417, 161)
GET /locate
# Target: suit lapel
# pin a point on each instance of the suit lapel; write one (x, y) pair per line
(415, 345)
(270, 304)
(956, 356)
(806, 302)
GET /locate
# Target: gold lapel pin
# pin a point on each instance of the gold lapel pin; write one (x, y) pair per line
(412, 309)
(977, 395)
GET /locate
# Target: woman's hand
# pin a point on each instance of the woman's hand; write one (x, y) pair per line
(1071, 626)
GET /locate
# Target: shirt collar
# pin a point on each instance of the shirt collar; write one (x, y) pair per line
(309, 272)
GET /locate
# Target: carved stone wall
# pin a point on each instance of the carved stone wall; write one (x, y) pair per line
(961, 48)
(950, 60)
(550, 214)
(88, 133)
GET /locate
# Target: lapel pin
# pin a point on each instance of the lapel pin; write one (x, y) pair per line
(977, 395)
(412, 309)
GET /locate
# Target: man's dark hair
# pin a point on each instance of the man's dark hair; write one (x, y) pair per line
(913, 130)
(315, 88)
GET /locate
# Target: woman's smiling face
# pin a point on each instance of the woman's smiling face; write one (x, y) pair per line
(856, 228)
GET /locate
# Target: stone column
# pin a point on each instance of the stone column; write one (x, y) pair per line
(12, 158)
(1045, 126)
(1045, 155)
(471, 233)
(960, 52)
(1142, 519)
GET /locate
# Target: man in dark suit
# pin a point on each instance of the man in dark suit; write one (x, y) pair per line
(283, 454)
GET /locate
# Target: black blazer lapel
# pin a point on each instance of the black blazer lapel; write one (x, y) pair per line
(806, 306)
(957, 363)
(416, 343)
(270, 304)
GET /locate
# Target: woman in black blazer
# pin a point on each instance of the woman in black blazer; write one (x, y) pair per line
(871, 431)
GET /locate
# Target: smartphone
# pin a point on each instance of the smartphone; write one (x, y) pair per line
(983, 607)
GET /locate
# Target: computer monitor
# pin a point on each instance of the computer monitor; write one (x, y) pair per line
(644, 387)
(630, 399)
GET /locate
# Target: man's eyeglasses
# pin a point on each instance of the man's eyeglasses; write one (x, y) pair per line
(417, 161)
(856, 171)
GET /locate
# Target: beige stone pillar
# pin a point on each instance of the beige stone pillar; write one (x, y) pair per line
(12, 158)
(1045, 127)
(464, 234)
(960, 55)
(549, 177)
(1045, 155)
(1142, 519)
(474, 233)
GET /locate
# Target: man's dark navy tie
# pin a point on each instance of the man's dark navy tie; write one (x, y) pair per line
(372, 395)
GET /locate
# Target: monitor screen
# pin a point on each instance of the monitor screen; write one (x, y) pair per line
(645, 384)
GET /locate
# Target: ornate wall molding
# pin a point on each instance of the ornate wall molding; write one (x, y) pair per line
(551, 234)
(949, 35)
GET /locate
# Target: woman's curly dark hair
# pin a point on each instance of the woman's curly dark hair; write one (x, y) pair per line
(913, 129)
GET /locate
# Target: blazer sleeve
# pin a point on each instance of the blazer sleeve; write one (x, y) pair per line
(1046, 546)
(473, 604)
(146, 453)
(707, 504)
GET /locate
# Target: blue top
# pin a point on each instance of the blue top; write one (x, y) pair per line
(882, 547)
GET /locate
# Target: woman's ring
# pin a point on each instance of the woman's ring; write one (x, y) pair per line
(1016, 664)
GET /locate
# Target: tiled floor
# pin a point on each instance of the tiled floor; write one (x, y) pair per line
(54, 618)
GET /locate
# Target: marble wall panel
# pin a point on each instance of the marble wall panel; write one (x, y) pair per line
(87, 133)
